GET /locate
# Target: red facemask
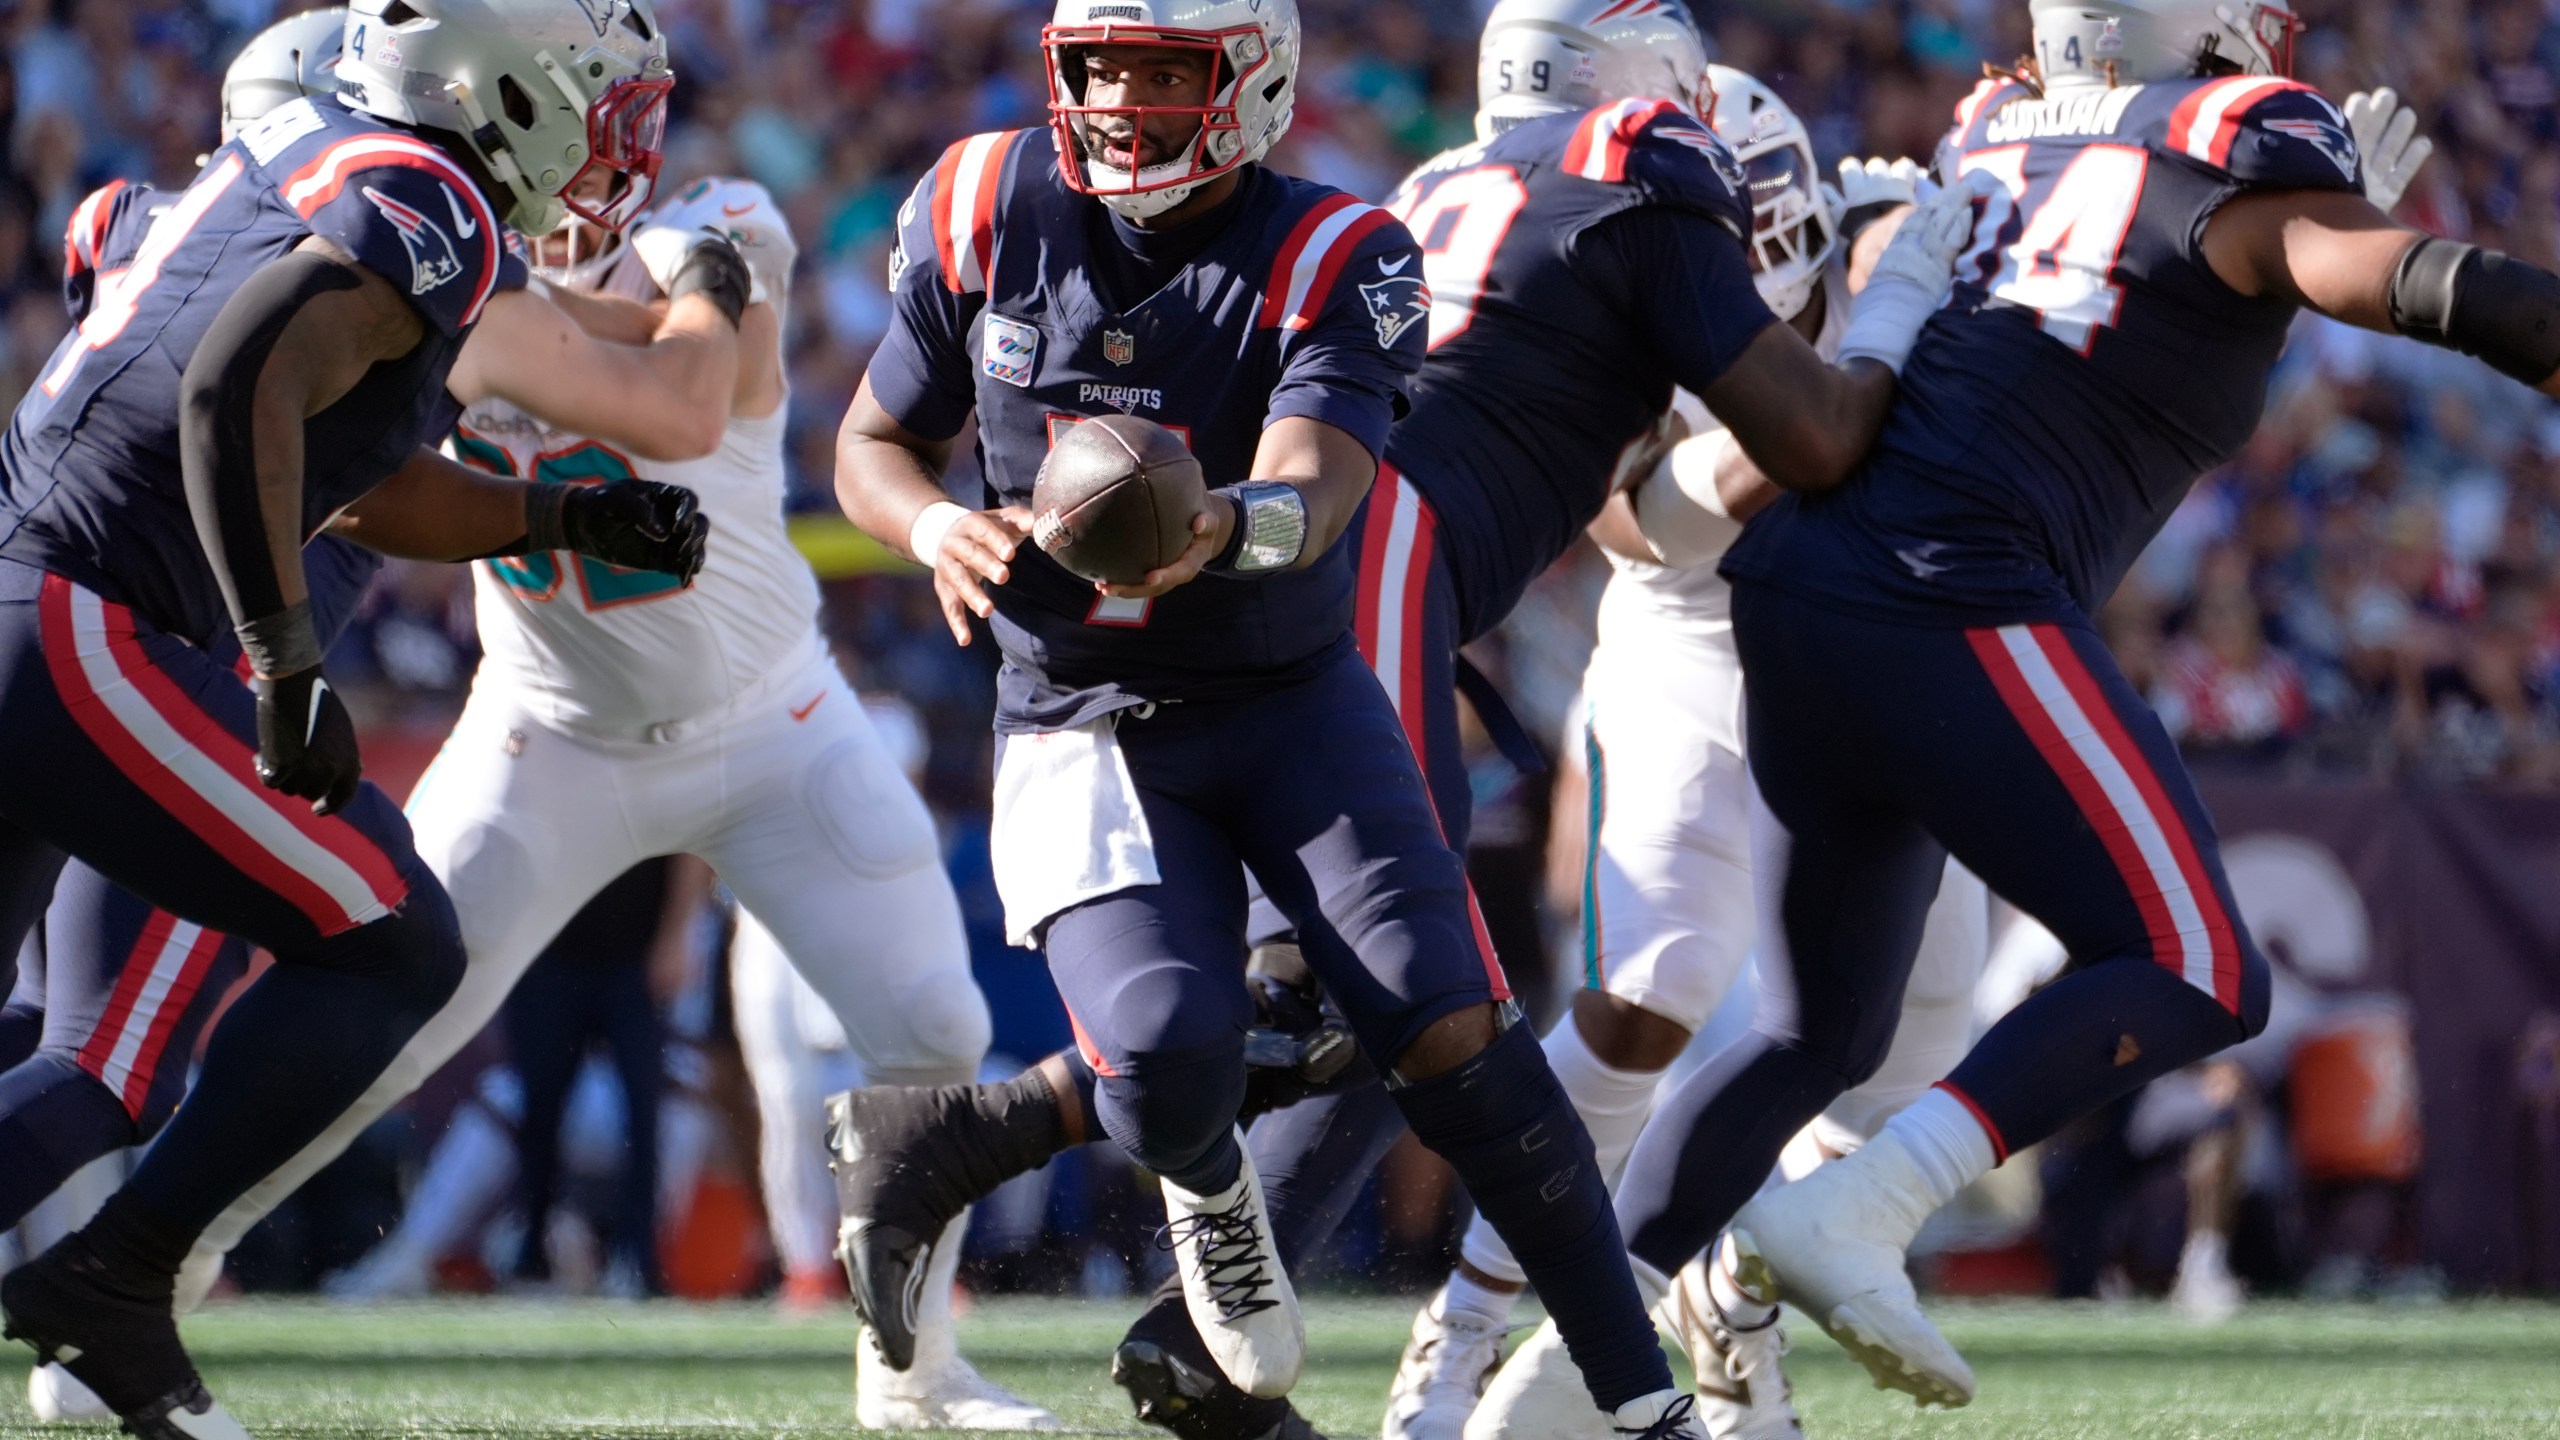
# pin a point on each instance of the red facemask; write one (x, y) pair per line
(626, 136)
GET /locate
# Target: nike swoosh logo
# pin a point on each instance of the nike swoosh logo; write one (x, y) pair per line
(1397, 268)
(737, 209)
(463, 225)
(801, 712)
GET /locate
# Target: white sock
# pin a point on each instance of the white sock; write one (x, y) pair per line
(2206, 1253)
(1943, 1144)
(1743, 1309)
(1462, 1296)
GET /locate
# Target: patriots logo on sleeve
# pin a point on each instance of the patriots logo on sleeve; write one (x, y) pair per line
(1396, 303)
(2330, 140)
(432, 261)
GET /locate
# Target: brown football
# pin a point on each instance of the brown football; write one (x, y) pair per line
(1115, 499)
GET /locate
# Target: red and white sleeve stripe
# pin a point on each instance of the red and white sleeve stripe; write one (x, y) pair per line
(84, 240)
(1311, 260)
(965, 184)
(1606, 136)
(320, 181)
(2207, 122)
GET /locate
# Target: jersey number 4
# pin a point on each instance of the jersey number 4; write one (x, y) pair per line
(2051, 244)
(537, 577)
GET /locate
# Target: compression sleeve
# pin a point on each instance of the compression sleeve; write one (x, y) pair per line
(217, 452)
(1684, 282)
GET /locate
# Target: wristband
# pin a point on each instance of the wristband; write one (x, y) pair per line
(924, 537)
(281, 644)
(544, 528)
(714, 270)
(1270, 532)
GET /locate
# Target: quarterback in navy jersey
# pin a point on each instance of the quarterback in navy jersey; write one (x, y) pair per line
(1921, 670)
(1160, 737)
(325, 264)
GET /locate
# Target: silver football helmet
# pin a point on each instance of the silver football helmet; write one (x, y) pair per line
(294, 57)
(1252, 94)
(2135, 42)
(543, 92)
(1793, 225)
(1550, 57)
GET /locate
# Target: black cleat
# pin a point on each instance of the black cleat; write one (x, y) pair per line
(118, 1338)
(880, 1143)
(1176, 1385)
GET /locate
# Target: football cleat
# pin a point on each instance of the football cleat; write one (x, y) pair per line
(1448, 1361)
(56, 1395)
(944, 1392)
(1833, 1243)
(881, 1144)
(1662, 1415)
(1742, 1389)
(1165, 1367)
(1538, 1394)
(117, 1338)
(2206, 1292)
(1233, 1284)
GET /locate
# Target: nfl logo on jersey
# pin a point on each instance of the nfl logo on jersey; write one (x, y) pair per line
(1119, 347)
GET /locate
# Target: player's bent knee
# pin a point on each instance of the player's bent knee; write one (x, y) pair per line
(947, 1022)
(1170, 1118)
(416, 948)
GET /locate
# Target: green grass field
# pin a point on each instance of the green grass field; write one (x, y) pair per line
(2050, 1372)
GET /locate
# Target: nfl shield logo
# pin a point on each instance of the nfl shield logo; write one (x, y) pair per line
(1118, 347)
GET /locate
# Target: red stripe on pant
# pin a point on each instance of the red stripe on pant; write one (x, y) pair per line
(164, 1022)
(136, 973)
(1981, 1117)
(2112, 827)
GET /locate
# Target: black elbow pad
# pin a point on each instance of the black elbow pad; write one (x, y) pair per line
(2482, 303)
(216, 397)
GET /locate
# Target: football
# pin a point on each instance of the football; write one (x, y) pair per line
(1115, 499)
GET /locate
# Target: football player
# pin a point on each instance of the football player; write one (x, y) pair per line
(1123, 940)
(1923, 677)
(271, 363)
(705, 705)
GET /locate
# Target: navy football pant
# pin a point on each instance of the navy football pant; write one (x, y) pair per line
(148, 748)
(120, 993)
(1315, 788)
(1880, 748)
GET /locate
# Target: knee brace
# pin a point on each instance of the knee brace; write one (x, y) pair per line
(1503, 1121)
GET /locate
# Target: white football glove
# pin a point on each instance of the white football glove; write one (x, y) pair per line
(2386, 135)
(1913, 275)
(1874, 181)
(738, 209)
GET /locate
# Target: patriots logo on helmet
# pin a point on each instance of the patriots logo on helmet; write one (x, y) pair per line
(2329, 140)
(432, 261)
(1396, 303)
(599, 14)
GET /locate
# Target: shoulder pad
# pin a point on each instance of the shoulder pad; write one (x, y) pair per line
(951, 217)
(740, 209)
(1665, 152)
(1326, 237)
(84, 240)
(2264, 130)
(404, 208)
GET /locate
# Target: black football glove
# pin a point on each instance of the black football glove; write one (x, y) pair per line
(638, 525)
(307, 741)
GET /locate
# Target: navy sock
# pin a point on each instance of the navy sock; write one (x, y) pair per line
(54, 1118)
(2094, 1035)
(293, 1052)
(1504, 1124)
(1711, 1144)
(1315, 1158)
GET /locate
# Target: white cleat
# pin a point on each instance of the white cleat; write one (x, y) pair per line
(56, 1395)
(1662, 1415)
(941, 1393)
(1447, 1364)
(1538, 1394)
(2206, 1292)
(387, 1272)
(1833, 1243)
(1742, 1389)
(1239, 1297)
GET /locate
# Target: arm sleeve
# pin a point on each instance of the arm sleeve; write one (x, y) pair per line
(1684, 282)
(1353, 365)
(921, 374)
(419, 224)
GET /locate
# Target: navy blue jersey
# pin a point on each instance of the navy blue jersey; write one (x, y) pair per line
(1022, 300)
(106, 232)
(2089, 366)
(1580, 267)
(89, 476)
